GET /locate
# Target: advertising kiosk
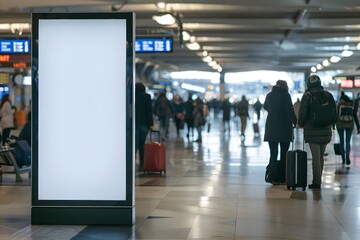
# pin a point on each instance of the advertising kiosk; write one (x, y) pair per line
(82, 114)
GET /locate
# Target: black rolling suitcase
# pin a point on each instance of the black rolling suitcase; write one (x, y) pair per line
(296, 169)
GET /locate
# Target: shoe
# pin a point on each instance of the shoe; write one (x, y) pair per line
(314, 186)
(267, 177)
(348, 162)
(197, 140)
(242, 137)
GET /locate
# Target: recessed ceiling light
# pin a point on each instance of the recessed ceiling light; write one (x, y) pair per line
(212, 63)
(347, 53)
(335, 59)
(164, 19)
(207, 59)
(326, 63)
(186, 36)
(193, 46)
(161, 5)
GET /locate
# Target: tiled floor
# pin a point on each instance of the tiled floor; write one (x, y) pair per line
(214, 190)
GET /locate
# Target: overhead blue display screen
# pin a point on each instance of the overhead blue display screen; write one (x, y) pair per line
(152, 45)
(14, 46)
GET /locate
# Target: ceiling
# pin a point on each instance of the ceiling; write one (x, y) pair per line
(240, 35)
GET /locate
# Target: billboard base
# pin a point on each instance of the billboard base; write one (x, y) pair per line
(82, 216)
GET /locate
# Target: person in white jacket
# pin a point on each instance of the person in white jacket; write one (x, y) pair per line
(7, 118)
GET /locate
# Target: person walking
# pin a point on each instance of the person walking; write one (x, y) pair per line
(357, 106)
(143, 120)
(179, 117)
(346, 117)
(317, 124)
(198, 118)
(280, 121)
(189, 117)
(7, 118)
(226, 108)
(257, 107)
(164, 110)
(297, 107)
(243, 112)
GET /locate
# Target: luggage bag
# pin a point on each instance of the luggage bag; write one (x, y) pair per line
(337, 148)
(273, 171)
(256, 128)
(154, 155)
(296, 169)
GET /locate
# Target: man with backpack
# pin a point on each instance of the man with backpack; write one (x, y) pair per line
(317, 115)
(345, 125)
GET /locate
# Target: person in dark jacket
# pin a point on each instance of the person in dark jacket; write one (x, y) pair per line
(143, 120)
(164, 110)
(317, 137)
(25, 133)
(198, 114)
(179, 117)
(242, 110)
(226, 108)
(189, 117)
(279, 125)
(345, 128)
(257, 107)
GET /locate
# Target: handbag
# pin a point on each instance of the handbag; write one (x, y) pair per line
(337, 148)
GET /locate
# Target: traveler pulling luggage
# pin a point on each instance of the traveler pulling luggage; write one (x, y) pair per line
(154, 155)
(296, 168)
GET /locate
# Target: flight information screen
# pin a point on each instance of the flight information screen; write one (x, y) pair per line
(14, 46)
(151, 45)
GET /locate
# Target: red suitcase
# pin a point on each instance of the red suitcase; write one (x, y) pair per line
(154, 156)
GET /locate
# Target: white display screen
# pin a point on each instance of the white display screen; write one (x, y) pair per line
(82, 116)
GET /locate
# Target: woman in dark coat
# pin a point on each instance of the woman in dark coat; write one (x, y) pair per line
(143, 120)
(226, 107)
(278, 129)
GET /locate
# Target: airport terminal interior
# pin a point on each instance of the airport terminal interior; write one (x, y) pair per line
(214, 190)
(216, 50)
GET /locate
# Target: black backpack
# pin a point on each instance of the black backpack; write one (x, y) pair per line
(322, 111)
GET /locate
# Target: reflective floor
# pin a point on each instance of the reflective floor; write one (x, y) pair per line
(215, 190)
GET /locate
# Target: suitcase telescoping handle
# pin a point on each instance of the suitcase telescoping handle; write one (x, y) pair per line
(293, 141)
(151, 134)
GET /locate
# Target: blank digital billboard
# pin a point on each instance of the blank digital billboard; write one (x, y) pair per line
(81, 109)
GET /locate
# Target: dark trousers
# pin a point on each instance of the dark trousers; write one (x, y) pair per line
(5, 135)
(345, 138)
(278, 169)
(140, 138)
(179, 125)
